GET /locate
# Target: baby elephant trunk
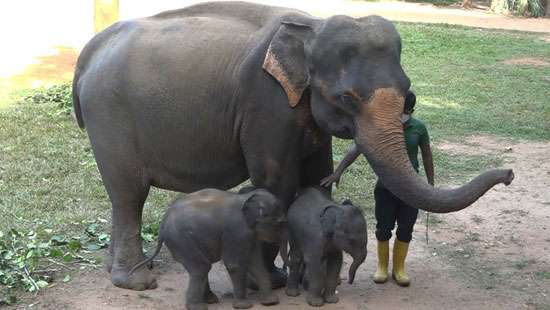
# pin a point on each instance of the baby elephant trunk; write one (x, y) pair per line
(357, 261)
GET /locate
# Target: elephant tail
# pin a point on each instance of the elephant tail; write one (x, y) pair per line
(148, 260)
(76, 101)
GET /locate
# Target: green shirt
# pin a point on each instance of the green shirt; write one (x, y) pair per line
(416, 135)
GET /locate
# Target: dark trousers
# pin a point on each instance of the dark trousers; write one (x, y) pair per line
(390, 209)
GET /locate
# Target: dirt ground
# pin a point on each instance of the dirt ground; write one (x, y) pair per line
(493, 255)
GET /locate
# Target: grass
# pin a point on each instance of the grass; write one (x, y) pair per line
(463, 87)
(47, 170)
(47, 167)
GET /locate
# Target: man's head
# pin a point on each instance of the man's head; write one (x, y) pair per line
(408, 109)
(410, 101)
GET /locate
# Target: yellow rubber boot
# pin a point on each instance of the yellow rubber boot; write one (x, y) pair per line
(399, 274)
(383, 251)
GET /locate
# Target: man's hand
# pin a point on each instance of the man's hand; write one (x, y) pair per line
(333, 178)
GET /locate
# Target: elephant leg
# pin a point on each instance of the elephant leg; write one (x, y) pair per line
(127, 185)
(281, 178)
(195, 296)
(263, 277)
(316, 279)
(238, 278)
(198, 293)
(209, 296)
(126, 247)
(334, 265)
(236, 256)
(296, 260)
(316, 167)
(127, 193)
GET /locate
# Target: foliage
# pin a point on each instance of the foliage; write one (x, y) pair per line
(27, 256)
(59, 95)
(531, 8)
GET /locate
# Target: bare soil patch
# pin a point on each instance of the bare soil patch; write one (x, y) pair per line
(527, 61)
(493, 255)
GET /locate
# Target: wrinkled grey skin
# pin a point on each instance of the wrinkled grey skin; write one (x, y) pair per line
(319, 230)
(216, 93)
(211, 225)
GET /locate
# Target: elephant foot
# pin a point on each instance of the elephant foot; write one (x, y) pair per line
(108, 262)
(269, 299)
(331, 299)
(201, 306)
(242, 304)
(211, 298)
(305, 283)
(315, 301)
(142, 279)
(278, 279)
(292, 291)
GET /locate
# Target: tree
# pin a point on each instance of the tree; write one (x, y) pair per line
(534, 8)
(467, 4)
(105, 14)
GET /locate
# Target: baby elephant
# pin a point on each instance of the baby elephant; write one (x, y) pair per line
(319, 229)
(206, 226)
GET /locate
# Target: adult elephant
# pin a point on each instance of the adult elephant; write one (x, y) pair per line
(213, 94)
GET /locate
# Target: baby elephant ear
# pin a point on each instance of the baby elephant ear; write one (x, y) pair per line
(285, 59)
(253, 210)
(329, 218)
(347, 201)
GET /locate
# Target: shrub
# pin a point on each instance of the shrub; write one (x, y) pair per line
(59, 95)
(532, 8)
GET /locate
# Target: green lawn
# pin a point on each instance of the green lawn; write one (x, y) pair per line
(48, 174)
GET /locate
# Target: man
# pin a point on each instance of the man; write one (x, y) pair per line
(389, 209)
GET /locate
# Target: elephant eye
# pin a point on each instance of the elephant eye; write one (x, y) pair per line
(349, 103)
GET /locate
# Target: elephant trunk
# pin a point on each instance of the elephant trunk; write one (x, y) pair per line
(357, 261)
(379, 135)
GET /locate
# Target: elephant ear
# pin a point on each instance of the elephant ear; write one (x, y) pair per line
(253, 210)
(330, 217)
(285, 59)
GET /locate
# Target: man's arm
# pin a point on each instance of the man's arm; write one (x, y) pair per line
(428, 162)
(350, 157)
(427, 159)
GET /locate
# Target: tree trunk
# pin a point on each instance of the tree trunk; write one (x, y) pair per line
(106, 12)
(544, 4)
(467, 4)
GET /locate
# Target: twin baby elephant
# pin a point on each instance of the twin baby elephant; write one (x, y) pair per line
(212, 225)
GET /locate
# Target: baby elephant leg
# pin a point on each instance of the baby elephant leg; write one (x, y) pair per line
(334, 265)
(316, 280)
(296, 262)
(237, 272)
(209, 296)
(263, 277)
(198, 282)
(196, 291)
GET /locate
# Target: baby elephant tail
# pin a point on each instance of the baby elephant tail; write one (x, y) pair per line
(148, 260)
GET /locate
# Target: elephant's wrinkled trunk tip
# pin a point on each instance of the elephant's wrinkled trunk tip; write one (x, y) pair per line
(357, 261)
(379, 136)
